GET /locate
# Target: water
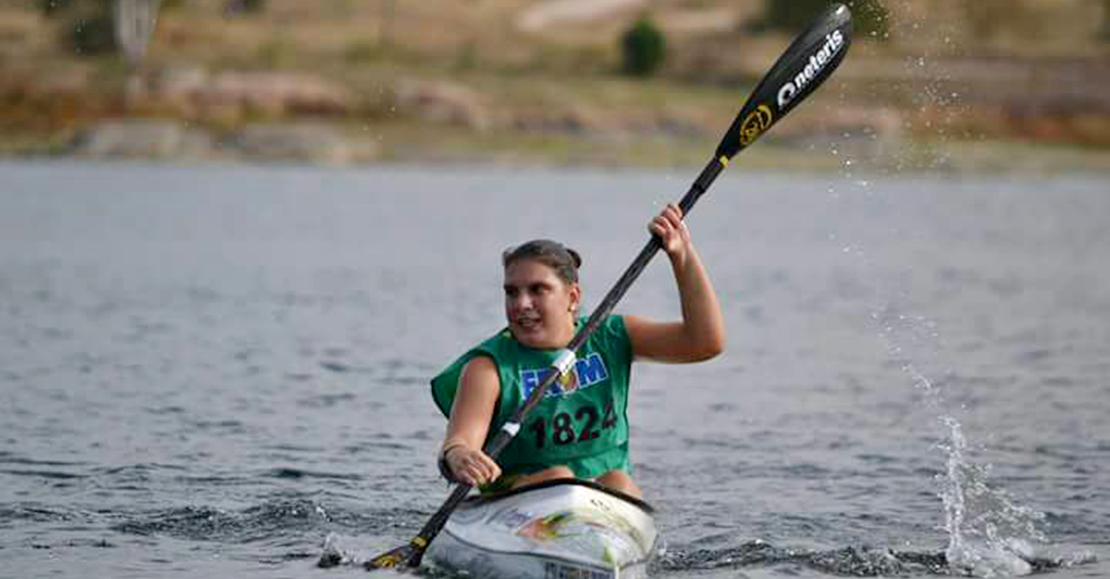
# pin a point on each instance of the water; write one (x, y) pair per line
(207, 372)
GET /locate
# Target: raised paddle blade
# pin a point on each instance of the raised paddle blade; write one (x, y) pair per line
(809, 60)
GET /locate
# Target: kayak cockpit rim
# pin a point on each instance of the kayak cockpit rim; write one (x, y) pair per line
(476, 500)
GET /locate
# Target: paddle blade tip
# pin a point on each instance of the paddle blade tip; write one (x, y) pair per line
(404, 556)
(806, 63)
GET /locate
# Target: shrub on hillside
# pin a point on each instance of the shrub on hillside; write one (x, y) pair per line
(87, 27)
(91, 30)
(53, 7)
(870, 16)
(643, 48)
(244, 7)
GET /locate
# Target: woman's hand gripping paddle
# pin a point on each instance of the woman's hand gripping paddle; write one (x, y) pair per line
(807, 62)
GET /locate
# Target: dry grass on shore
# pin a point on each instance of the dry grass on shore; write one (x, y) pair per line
(554, 92)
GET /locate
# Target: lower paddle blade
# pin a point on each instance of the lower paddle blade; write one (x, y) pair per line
(403, 556)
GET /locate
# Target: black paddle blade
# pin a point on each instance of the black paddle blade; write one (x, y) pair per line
(404, 556)
(809, 60)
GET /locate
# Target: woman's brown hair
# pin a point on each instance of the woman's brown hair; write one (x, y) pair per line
(564, 260)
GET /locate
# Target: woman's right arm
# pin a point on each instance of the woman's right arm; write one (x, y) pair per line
(701, 333)
(471, 414)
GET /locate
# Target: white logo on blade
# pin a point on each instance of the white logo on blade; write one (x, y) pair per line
(817, 62)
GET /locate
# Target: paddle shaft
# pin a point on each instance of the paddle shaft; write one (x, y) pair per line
(504, 437)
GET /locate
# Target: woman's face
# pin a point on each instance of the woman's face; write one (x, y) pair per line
(539, 305)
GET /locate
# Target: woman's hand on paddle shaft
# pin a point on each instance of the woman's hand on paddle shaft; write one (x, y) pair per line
(672, 231)
(471, 466)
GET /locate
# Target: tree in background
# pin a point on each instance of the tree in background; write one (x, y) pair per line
(643, 48)
(870, 16)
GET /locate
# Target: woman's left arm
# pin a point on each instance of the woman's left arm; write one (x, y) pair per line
(701, 333)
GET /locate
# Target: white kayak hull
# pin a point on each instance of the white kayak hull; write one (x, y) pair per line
(565, 529)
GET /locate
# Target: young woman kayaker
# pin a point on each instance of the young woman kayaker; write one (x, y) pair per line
(580, 428)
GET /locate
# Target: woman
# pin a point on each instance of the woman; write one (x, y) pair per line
(580, 428)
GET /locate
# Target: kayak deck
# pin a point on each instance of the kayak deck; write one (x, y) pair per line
(564, 529)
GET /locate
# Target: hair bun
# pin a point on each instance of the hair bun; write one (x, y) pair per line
(574, 255)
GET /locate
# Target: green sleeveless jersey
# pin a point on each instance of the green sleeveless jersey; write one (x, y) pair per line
(581, 422)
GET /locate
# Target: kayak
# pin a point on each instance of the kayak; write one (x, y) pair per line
(560, 529)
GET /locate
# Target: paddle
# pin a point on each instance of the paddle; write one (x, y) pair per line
(807, 62)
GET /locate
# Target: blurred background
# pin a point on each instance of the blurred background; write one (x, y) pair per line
(992, 84)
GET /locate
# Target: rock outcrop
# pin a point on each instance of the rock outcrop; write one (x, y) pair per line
(158, 140)
(195, 93)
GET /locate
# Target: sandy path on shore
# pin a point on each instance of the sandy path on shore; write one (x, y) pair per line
(545, 14)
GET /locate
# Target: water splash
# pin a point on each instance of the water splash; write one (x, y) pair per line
(333, 554)
(913, 342)
(989, 535)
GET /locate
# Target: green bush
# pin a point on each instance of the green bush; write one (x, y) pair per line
(86, 27)
(53, 7)
(92, 33)
(870, 16)
(643, 48)
(244, 7)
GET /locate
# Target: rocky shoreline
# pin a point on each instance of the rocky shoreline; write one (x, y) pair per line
(190, 115)
(324, 145)
(176, 141)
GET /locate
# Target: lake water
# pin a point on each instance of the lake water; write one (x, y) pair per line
(207, 372)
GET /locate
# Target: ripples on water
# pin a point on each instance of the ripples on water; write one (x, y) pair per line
(210, 372)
